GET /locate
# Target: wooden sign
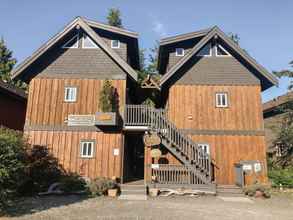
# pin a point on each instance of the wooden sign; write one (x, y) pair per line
(151, 139)
(81, 120)
(156, 153)
(106, 118)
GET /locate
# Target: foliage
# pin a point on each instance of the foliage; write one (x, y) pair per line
(108, 98)
(72, 182)
(100, 185)
(153, 60)
(286, 73)
(280, 176)
(114, 17)
(12, 163)
(251, 190)
(7, 62)
(234, 37)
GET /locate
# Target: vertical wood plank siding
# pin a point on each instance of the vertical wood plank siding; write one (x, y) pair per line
(65, 145)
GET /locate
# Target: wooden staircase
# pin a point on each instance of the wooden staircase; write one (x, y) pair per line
(194, 159)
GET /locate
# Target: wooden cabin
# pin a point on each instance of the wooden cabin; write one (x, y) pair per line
(206, 129)
(12, 106)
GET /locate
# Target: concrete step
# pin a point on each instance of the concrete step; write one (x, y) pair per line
(133, 192)
(132, 197)
(229, 190)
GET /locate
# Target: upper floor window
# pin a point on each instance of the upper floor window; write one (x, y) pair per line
(87, 149)
(221, 51)
(221, 99)
(72, 43)
(179, 52)
(206, 50)
(205, 150)
(115, 44)
(70, 94)
(87, 42)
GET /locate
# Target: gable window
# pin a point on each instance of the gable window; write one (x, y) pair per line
(115, 44)
(205, 150)
(72, 43)
(221, 99)
(87, 149)
(87, 42)
(206, 51)
(70, 94)
(179, 52)
(221, 51)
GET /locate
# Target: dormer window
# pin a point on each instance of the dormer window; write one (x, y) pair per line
(115, 44)
(72, 43)
(179, 52)
(221, 51)
(87, 42)
(206, 51)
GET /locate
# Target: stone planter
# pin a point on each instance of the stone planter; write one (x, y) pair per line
(258, 194)
(112, 192)
(106, 119)
(153, 192)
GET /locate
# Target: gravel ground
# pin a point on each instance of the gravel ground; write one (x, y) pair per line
(208, 207)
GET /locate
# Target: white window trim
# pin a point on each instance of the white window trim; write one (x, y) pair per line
(179, 55)
(117, 46)
(92, 151)
(74, 47)
(65, 92)
(83, 46)
(218, 55)
(226, 97)
(208, 55)
(201, 145)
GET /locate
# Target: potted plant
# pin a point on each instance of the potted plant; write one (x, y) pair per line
(108, 105)
(112, 187)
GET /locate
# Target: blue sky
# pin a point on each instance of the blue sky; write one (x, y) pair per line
(264, 26)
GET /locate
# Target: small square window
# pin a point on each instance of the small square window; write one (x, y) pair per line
(179, 52)
(221, 100)
(70, 94)
(87, 149)
(115, 44)
(205, 150)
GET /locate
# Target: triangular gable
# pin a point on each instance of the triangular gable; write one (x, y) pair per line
(76, 23)
(216, 32)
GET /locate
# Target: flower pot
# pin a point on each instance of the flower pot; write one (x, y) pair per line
(258, 194)
(153, 192)
(112, 192)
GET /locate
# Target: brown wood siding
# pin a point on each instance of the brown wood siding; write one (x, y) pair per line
(194, 107)
(65, 145)
(46, 104)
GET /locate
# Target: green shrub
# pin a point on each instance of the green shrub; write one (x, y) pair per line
(100, 185)
(281, 176)
(251, 189)
(12, 163)
(72, 183)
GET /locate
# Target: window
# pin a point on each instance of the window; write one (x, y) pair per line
(179, 52)
(206, 50)
(221, 51)
(87, 149)
(87, 42)
(205, 150)
(70, 94)
(72, 43)
(115, 44)
(221, 100)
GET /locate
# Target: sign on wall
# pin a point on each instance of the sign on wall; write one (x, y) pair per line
(81, 120)
(156, 153)
(151, 139)
(257, 167)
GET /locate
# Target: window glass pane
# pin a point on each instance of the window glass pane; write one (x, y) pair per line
(84, 149)
(88, 42)
(221, 51)
(223, 100)
(205, 51)
(89, 150)
(179, 51)
(115, 43)
(72, 43)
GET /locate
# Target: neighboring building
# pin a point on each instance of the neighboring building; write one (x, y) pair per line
(210, 95)
(12, 106)
(273, 115)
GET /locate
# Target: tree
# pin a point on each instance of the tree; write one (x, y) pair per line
(153, 59)
(108, 100)
(234, 37)
(286, 73)
(114, 18)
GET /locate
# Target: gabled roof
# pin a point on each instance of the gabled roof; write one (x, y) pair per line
(276, 102)
(79, 22)
(216, 32)
(12, 90)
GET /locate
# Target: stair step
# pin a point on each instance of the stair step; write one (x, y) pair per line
(132, 197)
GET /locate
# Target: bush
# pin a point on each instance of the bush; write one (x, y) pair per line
(12, 163)
(72, 183)
(251, 190)
(281, 176)
(100, 185)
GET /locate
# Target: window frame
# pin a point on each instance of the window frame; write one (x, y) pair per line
(208, 55)
(218, 55)
(177, 54)
(66, 88)
(93, 145)
(83, 39)
(226, 99)
(112, 46)
(75, 47)
(201, 145)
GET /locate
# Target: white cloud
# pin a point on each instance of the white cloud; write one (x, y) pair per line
(158, 27)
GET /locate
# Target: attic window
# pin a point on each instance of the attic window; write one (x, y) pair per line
(206, 50)
(115, 44)
(179, 52)
(221, 52)
(87, 42)
(72, 43)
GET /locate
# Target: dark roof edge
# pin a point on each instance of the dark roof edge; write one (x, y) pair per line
(272, 104)
(13, 90)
